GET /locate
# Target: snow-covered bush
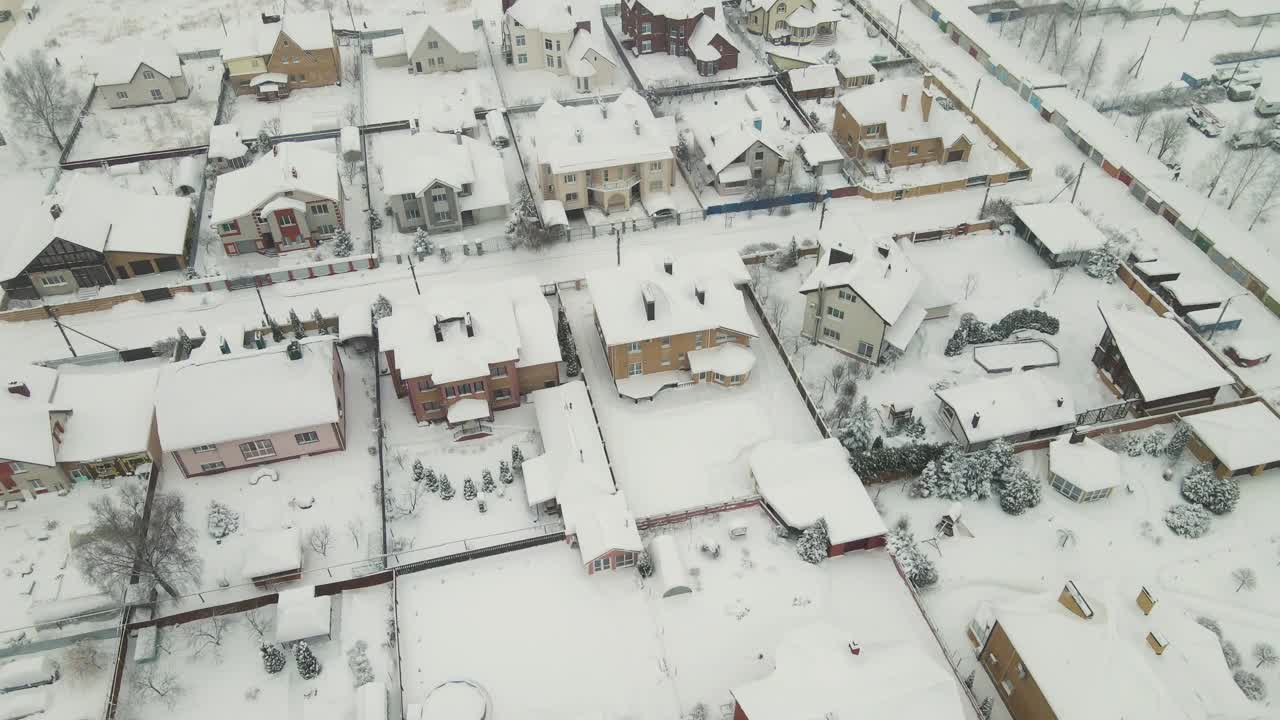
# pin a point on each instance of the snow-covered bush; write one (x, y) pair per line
(486, 481)
(970, 331)
(956, 476)
(1211, 625)
(1154, 443)
(308, 666)
(908, 459)
(644, 564)
(482, 506)
(1133, 445)
(504, 473)
(1178, 441)
(342, 244)
(517, 457)
(1231, 654)
(358, 661)
(856, 429)
(446, 488)
(786, 258)
(984, 710)
(917, 566)
(1218, 495)
(1103, 262)
(1025, 319)
(468, 488)
(419, 472)
(1190, 521)
(1019, 491)
(814, 543)
(381, 308)
(422, 244)
(222, 520)
(1251, 685)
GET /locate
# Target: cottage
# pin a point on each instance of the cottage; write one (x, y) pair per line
(680, 320)
(1017, 407)
(140, 73)
(91, 233)
(792, 22)
(289, 199)
(272, 60)
(442, 182)
(1059, 232)
(556, 36)
(894, 123)
(459, 354)
(440, 42)
(1082, 470)
(227, 150)
(807, 483)
(296, 392)
(607, 155)
(1155, 362)
(819, 671)
(813, 81)
(684, 28)
(112, 430)
(31, 430)
(1240, 440)
(744, 152)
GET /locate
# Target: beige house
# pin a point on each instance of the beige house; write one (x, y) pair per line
(140, 74)
(743, 152)
(287, 200)
(674, 321)
(445, 42)
(895, 123)
(31, 431)
(606, 155)
(442, 182)
(791, 22)
(272, 60)
(556, 36)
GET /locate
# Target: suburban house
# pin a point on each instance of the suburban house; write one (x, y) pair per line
(296, 396)
(865, 295)
(1240, 440)
(1082, 470)
(31, 430)
(820, 671)
(272, 60)
(606, 155)
(442, 182)
(111, 431)
(460, 354)
(1059, 232)
(813, 81)
(140, 73)
(90, 233)
(1155, 362)
(742, 152)
(894, 123)
(684, 28)
(1094, 652)
(806, 483)
(792, 22)
(555, 36)
(855, 73)
(288, 199)
(675, 321)
(440, 42)
(1017, 407)
(572, 478)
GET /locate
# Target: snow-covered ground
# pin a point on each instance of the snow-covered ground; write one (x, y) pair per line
(393, 94)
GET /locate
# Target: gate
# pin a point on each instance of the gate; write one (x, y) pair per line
(1106, 413)
(154, 294)
(243, 282)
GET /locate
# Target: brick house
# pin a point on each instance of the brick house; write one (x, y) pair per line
(461, 354)
(894, 123)
(272, 60)
(685, 28)
(287, 200)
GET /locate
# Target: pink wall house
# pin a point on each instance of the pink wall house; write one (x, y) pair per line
(221, 412)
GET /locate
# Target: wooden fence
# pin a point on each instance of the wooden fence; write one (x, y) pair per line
(680, 516)
(77, 307)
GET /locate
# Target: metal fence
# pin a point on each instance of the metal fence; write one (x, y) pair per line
(1106, 413)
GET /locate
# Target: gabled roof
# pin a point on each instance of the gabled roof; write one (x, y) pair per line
(879, 272)
(1009, 405)
(707, 30)
(240, 192)
(122, 63)
(1060, 227)
(584, 48)
(881, 103)
(24, 420)
(310, 30)
(454, 27)
(550, 15)
(676, 9)
(1086, 464)
(111, 411)
(729, 129)
(584, 137)
(1240, 437)
(1162, 358)
(413, 163)
(805, 483)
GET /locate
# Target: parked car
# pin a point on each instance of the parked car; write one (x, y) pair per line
(6, 15)
(1238, 92)
(1249, 139)
(1207, 115)
(1268, 104)
(1204, 126)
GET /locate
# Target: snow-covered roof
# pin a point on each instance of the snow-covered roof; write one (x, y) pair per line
(111, 411)
(899, 334)
(879, 272)
(25, 434)
(389, 46)
(27, 670)
(553, 213)
(812, 481)
(246, 394)
(1009, 405)
(669, 568)
(225, 142)
(1109, 655)
(453, 700)
(803, 17)
(584, 137)
(1243, 436)
(310, 30)
(819, 148)
(816, 676)
(289, 167)
(468, 409)
(280, 202)
(728, 359)
(881, 103)
(413, 163)
(78, 606)
(676, 9)
(371, 701)
(733, 125)
(300, 615)
(855, 67)
(1194, 291)
(602, 523)
(550, 16)
(1162, 358)
(25, 703)
(1060, 227)
(813, 77)
(703, 33)
(510, 320)
(349, 139)
(122, 63)
(1086, 464)
(269, 78)
(355, 321)
(454, 27)
(1000, 50)
(273, 552)
(585, 48)
(454, 113)
(619, 293)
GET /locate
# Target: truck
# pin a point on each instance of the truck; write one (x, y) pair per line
(1249, 139)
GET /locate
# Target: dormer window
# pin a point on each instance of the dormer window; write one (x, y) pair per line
(782, 7)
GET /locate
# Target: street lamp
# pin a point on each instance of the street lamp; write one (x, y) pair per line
(1225, 305)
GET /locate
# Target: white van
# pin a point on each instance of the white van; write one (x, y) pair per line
(1237, 92)
(1268, 104)
(1247, 74)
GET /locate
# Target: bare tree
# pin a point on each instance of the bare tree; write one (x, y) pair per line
(319, 538)
(1171, 134)
(258, 622)
(122, 541)
(1069, 50)
(410, 500)
(38, 96)
(1215, 165)
(355, 526)
(1265, 654)
(1254, 161)
(1246, 579)
(970, 284)
(83, 659)
(154, 684)
(1266, 196)
(207, 633)
(1143, 109)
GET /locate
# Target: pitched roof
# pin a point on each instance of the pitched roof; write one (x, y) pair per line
(454, 27)
(676, 9)
(1009, 405)
(240, 192)
(813, 77)
(729, 128)
(1162, 358)
(1060, 227)
(584, 48)
(549, 15)
(813, 481)
(24, 420)
(111, 411)
(1086, 464)
(310, 30)
(708, 29)
(121, 64)
(584, 137)
(1240, 437)
(879, 272)
(881, 103)
(413, 163)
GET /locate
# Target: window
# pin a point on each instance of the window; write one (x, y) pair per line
(557, 46)
(872, 130)
(633, 347)
(215, 465)
(36, 484)
(465, 190)
(1022, 671)
(646, 27)
(439, 195)
(306, 438)
(551, 61)
(53, 280)
(666, 342)
(522, 58)
(464, 389)
(757, 173)
(829, 333)
(450, 391)
(325, 229)
(656, 185)
(295, 77)
(835, 312)
(570, 197)
(499, 371)
(718, 377)
(319, 209)
(122, 95)
(412, 211)
(442, 216)
(655, 167)
(759, 155)
(285, 219)
(430, 406)
(1007, 686)
(479, 386)
(256, 449)
(229, 228)
(569, 178)
(722, 337)
(913, 150)
(148, 75)
(156, 94)
(782, 7)
(433, 44)
(17, 467)
(546, 43)
(501, 394)
(520, 41)
(425, 385)
(847, 295)
(865, 349)
(204, 448)
(646, 46)
(600, 564)
(627, 559)
(634, 369)
(697, 341)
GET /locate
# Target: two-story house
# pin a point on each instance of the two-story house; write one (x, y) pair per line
(442, 182)
(606, 155)
(91, 233)
(555, 36)
(791, 22)
(146, 73)
(684, 28)
(895, 122)
(31, 429)
(741, 152)
(288, 199)
(460, 354)
(441, 42)
(673, 321)
(272, 60)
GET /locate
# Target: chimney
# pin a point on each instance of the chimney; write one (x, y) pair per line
(668, 265)
(17, 387)
(882, 247)
(836, 256)
(647, 296)
(976, 417)
(275, 150)
(700, 292)
(1072, 599)
(1157, 642)
(854, 648)
(902, 105)
(55, 210)
(710, 11)
(578, 134)
(294, 350)
(636, 125)
(439, 334)
(458, 135)
(1077, 436)
(471, 329)
(926, 104)
(294, 173)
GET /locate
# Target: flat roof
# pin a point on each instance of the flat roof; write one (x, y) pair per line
(1061, 227)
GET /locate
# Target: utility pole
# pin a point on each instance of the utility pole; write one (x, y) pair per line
(1079, 175)
(1160, 16)
(1088, 78)
(1023, 34)
(823, 218)
(224, 23)
(53, 316)
(897, 24)
(984, 198)
(1137, 66)
(617, 234)
(1251, 49)
(974, 102)
(1194, 11)
(265, 318)
(413, 270)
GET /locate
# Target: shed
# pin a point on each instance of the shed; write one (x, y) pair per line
(26, 672)
(553, 214)
(1060, 233)
(349, 142)
(1188, 294)
(669, 568)
(1083, 471)
(189, 177)
(1240, 440)
(496, 124)
(820, 153)
(371, 701)
(814, 81)
(300, 615)
(274, 557)
(355, 322)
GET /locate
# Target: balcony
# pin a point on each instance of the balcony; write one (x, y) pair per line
(611, 185)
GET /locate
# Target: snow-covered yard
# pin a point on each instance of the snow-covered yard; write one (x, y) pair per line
(396, 94)
(81, 688)
(306, 109)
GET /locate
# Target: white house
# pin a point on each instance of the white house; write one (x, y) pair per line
(556, 36)
(288, 199)
(437, 42)
(227, 150)
(140, 73)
